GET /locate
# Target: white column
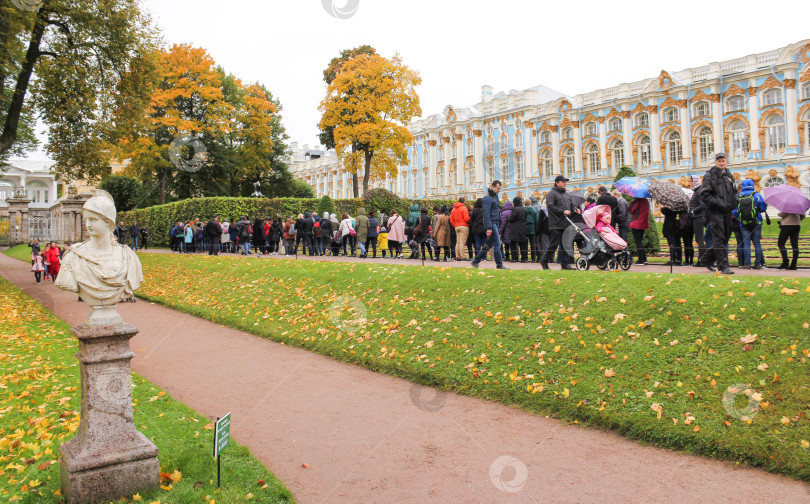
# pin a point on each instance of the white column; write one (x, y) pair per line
(753, 120)
(627, 138)
(555, 150)
(602, 145)
(791, 123)
(686, 133)
(478, 142)
(448, 157)
(431, 178)
(460, 159)
(655, 143)
(52, 196)
(532, 165)
(578, 152)
(717, 120)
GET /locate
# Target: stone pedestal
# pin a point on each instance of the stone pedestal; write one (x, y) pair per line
(108, 458)
(18, 219)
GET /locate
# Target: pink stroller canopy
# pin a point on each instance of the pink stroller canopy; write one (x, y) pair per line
(591, 215)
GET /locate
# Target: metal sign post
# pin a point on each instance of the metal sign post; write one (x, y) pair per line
(222, 438)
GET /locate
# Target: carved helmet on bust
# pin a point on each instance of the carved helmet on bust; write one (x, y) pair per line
(102, 204)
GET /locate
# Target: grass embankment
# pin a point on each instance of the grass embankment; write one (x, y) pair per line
(21, 252)
(650, 356)
(39, 410)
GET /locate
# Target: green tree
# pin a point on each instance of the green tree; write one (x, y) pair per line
(326, 205)
(68, 57)
(126, 191)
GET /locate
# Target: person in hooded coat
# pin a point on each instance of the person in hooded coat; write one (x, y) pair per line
(517, 231)
(325, 233)
(503, 230)
(477, 230)
(442, 234)
(373, 231)
(305, 232)
(396, 234)
(424, 234)
(275, 234)
(361, 222)
(259, 239)
(410, 225)
(531, 229)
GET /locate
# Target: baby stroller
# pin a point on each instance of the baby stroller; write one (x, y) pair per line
(592, 247)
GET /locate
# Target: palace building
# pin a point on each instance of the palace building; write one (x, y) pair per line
(755, 108)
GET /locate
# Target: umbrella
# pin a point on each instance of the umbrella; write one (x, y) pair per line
(577, 197)
(669, 195)
(787, 199)
(637, 187)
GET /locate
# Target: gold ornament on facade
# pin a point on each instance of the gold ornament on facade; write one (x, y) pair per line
(790, 83)
(625, 114)
(478, 133)
(792, 176)
(600, 120)
(752, 91)
(804, 54)
(665, 81)
(639, 108)
(671, 127)
(714, 97)
(459, 136)
(588, 117)
(736, 176)
(640, 133)
(769, 83)
(565, 105)
(432, 143)
(653, 109)
(772, 172)
(700, 124)
(613, 113)
(756, 178)
(767, 114)
(805, 76)
(699, 96)
(735, 117)
(733, 90)
(685, 182)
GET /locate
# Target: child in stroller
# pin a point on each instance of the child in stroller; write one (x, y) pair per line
(603, 246)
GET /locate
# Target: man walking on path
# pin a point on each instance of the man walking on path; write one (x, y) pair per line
(214, 233)
(134, 234)
(720, 197)
(492, 221)
(559, 205)
(460, 220)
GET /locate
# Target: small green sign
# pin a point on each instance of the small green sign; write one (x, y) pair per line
(222, 435)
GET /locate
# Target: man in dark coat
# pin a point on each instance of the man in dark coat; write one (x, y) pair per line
(697, 215)
(306, 232)
(492, 221)
(213, 231)
(134, 234)
(517, 231)
(605, 198)
(559, 205)
(719, 195)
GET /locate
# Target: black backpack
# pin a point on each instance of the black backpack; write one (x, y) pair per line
(747, 211)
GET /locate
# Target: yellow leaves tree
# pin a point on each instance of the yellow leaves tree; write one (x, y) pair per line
(368, 105)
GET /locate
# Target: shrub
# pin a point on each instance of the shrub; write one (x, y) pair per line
(326, 205)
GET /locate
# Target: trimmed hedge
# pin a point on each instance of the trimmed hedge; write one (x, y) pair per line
(160, 218)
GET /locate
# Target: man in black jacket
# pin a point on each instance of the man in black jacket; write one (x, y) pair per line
(559, 205)
(605, 198)
(213, 231)
(697, 214)
(719, 196)
(134, 234)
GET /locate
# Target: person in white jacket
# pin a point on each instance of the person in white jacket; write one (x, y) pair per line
(346, 228)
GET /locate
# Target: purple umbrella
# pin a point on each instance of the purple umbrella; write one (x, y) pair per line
(787, 199)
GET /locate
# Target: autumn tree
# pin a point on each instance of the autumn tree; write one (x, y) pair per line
(368, 105)
(61, 62)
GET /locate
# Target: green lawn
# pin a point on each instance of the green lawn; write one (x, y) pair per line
(39, 410)
(21, 252)
(650, 356)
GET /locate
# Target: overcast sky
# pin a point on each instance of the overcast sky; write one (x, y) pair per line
(459, 45)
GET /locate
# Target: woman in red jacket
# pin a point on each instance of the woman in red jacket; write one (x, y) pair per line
(640, 222)
(53, 260)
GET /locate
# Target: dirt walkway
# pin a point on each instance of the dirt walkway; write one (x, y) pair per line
(368, 437)
(650, 268)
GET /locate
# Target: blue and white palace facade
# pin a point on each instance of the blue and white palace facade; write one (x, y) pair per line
(755, 108)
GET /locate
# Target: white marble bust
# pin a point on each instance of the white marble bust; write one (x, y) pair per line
(100, 269)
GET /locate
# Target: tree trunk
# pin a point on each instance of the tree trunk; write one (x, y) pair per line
(367, 174)
(15, 107)
(355, 186)
(162, 194)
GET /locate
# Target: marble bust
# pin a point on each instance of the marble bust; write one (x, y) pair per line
(100, 269)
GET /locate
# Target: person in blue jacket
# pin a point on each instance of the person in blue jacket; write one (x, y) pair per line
(751, 231)
(492, 222)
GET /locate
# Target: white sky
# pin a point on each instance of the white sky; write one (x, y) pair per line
(457, 46)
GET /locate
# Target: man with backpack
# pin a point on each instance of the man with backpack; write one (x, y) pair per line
(750, 206)
(720, 197)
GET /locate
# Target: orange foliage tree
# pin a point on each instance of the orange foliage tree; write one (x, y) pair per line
(368, 105)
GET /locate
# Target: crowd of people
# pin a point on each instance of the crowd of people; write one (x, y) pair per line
(520, 230)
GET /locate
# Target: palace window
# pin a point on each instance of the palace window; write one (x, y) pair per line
(644, 150)
(705, 145)
(643, 119)
(519, 167)
(469, 173)
(545, 137)
(567, 134)
(441, 152)
(425, 154)
(568, 161)
(518, 140)
(518, 125)
(615, 124)
(502, 168)
(617, 155)
(37, 191)
(548, 164)
(702, 109)
(775, 134)
(491, 144)
(772, 97)
(590, 129)
(671, 114)
(440, 172)
(806, 91)
(469, 147)
(490, 170)
(674, 149)
(774, 181)
(735, 103)
(504, 142)
(490, 130)
(593, 160)
(469, 134)
(738, 132)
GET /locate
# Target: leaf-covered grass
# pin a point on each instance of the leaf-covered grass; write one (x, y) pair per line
(650, 356)
(39, 410)
(21, 252)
